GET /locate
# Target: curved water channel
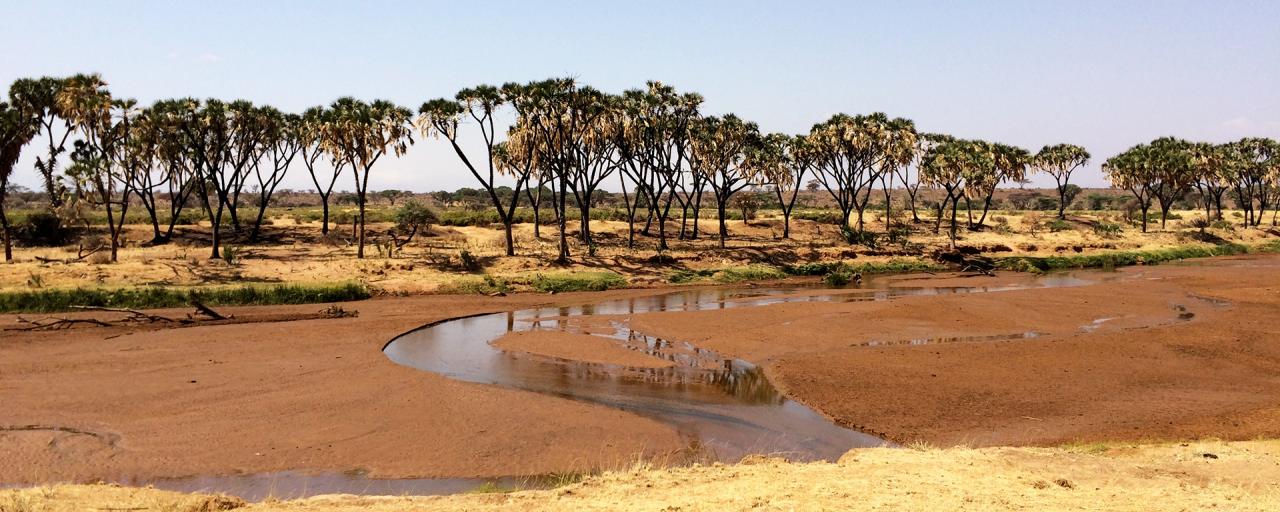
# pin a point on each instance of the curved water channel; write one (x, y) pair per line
(725, 405)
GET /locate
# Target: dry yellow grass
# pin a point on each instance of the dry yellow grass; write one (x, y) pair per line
(1192, 476)
(432, 262)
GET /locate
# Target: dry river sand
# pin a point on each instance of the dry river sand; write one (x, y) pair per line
(1185, 351)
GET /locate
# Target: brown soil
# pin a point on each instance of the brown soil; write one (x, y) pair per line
(1148, 372)
(92, 403)
(1238, 476)
(577, 347)
(318, 394)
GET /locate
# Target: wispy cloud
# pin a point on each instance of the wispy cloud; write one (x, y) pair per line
(210, 57)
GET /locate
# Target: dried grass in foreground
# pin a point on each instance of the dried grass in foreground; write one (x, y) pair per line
(1191, 476)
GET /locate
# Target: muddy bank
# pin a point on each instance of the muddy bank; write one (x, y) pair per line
(111, 403)
(1156, 352)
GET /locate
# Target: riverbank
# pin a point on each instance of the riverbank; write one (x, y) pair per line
(143, 402)
(1239, 476)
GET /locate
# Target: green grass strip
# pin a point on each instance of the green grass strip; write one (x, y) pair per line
(54, 300)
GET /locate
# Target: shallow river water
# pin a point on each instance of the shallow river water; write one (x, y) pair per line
(726, 406)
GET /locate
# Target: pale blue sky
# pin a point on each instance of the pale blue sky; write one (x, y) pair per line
(1103, 74)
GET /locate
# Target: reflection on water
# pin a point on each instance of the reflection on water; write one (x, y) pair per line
(727, 403)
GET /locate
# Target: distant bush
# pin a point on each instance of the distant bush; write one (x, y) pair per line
(44, 229)
(1107, 229)
(1057, 225)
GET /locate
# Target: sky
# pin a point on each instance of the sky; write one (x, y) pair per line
(1102, 74)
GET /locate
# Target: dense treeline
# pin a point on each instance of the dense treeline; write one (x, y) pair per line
(566, 141)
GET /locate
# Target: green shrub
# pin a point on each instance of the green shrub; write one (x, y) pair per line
(859, 237)
(469, 261)
(1107, 229)
(44, 229)
(838, 278)
(1057, 225)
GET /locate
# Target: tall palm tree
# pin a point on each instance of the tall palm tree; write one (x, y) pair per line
(17, 128)
(1060, 161)
(38, 98)
(362, 133)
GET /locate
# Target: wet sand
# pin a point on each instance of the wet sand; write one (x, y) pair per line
(1119, 359)
(1154, 353)
(577, 347)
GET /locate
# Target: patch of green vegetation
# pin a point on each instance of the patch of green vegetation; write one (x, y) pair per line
(482, 285)
(689, 276)
(728, 274)
(1123, 258)
(493, 488)
(577, 282)
(748, 273)
(53, 300)
(837, 278)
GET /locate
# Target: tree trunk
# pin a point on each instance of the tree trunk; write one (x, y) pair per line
(4, 231)
(1062, 201)
(324, 215)
(724, 228)
(360, 221)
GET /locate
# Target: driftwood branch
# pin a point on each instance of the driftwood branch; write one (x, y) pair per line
(54, 324)
(134, 315)
(80, 255)
(207, 311)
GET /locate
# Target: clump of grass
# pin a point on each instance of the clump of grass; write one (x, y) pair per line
(53, 300)
(837, 278)
(748, 273)
(484, 285)
(577, 282)
(689, 276)
(492, 488)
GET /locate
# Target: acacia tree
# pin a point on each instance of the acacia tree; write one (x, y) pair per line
(1060, 161)
(362, 133)
(718, 149)
(17, 128)
(38, 98)
(282, 141)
